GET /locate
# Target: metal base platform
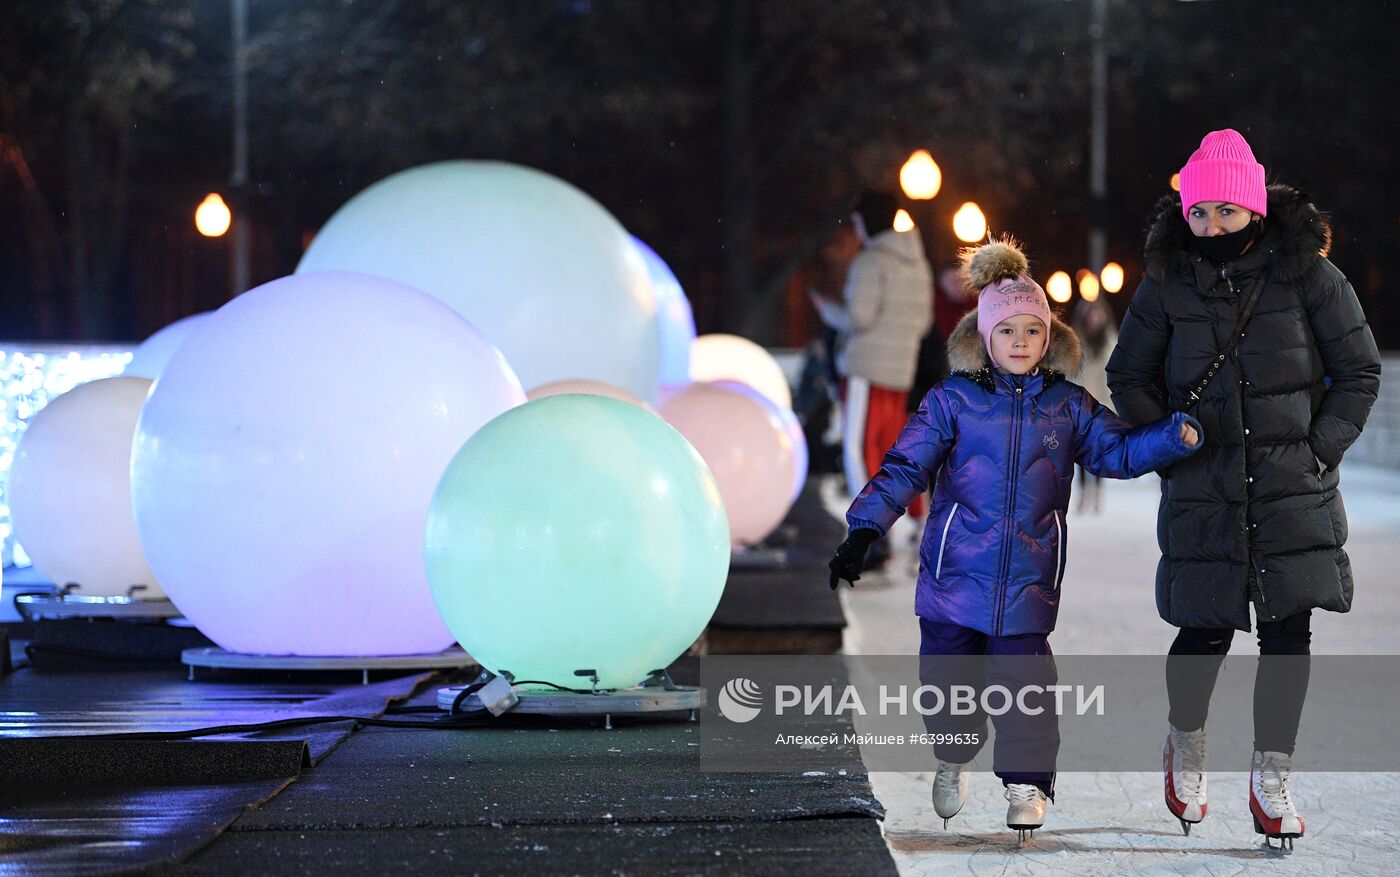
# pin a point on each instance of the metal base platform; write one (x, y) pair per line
(218, 658)
(649, 698)
(61, 607)
(758, 558)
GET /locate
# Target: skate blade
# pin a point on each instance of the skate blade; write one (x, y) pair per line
(1285, 840)
(1025, 836)
(1186, 827)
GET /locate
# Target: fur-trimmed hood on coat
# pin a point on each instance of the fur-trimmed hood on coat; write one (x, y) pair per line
(1294, 228)
(967, 353)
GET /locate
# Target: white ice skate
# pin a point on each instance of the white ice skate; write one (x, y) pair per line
(1270, 801)
(1184, 775)
(1027, 810)
(949, 789)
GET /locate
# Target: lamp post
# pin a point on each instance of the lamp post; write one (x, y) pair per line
(1098, 138)
(238, 179)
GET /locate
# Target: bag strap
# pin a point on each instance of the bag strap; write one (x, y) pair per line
(1258, 289)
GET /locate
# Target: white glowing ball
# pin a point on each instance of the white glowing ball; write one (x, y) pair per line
(586, 388)
(747, 447)
(150, 358)
(674, 318)
(286, 458)
(70, 489)
(731, 358)
(547, 274)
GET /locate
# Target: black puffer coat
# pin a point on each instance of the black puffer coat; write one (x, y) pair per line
(1255, 516)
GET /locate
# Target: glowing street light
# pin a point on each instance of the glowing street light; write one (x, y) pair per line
(1176, 182)
(1059, 287)
(969, 223)
(920, 177)
(1088, 285)
(212, 217)
(1112, 277)
(903, 221)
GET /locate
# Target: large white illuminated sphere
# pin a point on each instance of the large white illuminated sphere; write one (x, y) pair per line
(746, 445)
(547, 274)
(286, 458)
(720, 357)
(70, 489)
(150, 358)
(674, 318)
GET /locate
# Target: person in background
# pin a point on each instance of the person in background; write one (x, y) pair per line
(1096, 327)
(886, 308)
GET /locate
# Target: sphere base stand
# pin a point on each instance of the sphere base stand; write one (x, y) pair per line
(657, 694)
(452, 659)
(66, 605)
(758, 558)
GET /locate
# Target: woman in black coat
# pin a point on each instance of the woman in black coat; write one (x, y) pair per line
(1255, 518)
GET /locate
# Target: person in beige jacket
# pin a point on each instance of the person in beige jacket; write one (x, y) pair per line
(886, 309)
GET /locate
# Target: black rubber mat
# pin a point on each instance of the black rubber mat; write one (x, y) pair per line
(794, 594)
(75, 805)
(812, 848)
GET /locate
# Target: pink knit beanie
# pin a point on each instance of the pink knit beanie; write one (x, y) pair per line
(998, 271)
(1223, 169)
(1006, 298)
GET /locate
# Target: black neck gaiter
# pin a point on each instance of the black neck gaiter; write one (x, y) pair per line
(1224, 248)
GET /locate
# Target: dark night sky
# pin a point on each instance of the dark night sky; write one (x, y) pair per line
(727, 135)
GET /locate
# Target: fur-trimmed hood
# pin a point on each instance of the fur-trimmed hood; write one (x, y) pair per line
(967, 353)
(1295, 231)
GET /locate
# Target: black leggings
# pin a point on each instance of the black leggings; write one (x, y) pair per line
(1280, 686)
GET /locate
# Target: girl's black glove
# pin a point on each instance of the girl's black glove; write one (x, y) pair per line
(850, 556)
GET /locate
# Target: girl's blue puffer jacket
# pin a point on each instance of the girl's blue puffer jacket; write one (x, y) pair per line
(1003, 449)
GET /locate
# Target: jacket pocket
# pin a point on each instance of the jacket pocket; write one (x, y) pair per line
(1059, 549)
(943, 542)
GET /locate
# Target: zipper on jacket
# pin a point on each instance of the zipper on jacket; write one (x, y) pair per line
(1254, 573)
(1009, 519)
(943, 543)
(1059, 549)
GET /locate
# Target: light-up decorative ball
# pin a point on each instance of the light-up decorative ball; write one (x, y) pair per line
(747, 447)
(720, 357)
(585, 388)
(792, 428)
(546, 274)
(577, 532)
(70, 489)
(286, 458)
(150, 358)
(674, 318)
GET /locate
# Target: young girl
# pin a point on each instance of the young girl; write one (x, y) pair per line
(1000, 438)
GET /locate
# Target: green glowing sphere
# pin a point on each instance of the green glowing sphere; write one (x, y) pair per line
(577, 532)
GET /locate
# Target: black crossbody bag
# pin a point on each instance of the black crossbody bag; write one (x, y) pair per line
(1194, 395)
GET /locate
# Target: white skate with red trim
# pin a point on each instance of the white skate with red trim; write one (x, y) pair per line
(1270, 800)
(1184, 775)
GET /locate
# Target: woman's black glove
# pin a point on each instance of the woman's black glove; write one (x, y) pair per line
(850, 556)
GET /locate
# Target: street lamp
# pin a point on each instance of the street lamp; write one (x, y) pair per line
(212, 217)
(1088, 285)
(903, 221)
(1059, 287)
(1112, 277)
(969, 223)
(920, 177)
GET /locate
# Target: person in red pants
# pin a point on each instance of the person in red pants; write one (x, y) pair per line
(886, 308)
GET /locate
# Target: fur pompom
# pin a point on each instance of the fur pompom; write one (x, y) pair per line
(993, 261)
